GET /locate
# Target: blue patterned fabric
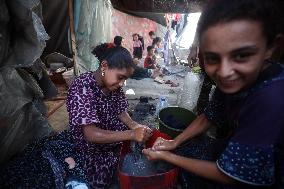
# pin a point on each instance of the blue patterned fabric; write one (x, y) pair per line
(215, 109)
(42, 165)
(248, 164)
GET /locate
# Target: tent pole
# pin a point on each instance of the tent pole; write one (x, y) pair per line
(72, 31)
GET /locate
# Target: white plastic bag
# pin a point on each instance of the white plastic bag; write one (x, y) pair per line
(188, 96)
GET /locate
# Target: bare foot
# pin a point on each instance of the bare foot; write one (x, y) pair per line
(71, 162)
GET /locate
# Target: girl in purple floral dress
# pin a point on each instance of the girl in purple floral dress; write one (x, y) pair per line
(88, 153)
(98, 116)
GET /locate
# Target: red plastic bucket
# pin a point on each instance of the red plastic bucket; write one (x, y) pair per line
(167, 180)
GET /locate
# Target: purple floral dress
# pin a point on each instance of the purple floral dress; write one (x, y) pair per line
(87, 104)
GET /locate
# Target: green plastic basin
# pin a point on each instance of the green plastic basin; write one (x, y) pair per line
(173, 120)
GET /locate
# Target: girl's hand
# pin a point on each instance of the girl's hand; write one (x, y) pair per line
(154, 155)
(163, 144)
(141, 133)
(136, 125)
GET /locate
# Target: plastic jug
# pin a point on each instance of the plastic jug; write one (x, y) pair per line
(163, 103)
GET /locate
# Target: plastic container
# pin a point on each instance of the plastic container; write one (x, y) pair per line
(189, 95)
(163, 103)
(166, 180)
(173, 120)
(55, 65)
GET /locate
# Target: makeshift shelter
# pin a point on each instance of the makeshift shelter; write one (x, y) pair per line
(32, 29)
(99, 21)
(22, 113)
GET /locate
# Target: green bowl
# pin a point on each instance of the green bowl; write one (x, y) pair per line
(179, 117)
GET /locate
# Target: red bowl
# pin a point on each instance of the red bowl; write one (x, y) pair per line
(166, 180)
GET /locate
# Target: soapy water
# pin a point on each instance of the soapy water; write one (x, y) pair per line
(136, 164)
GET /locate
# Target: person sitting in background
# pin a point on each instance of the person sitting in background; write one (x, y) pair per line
(118, 41)
(141, 73)
(150, 60)
(152, 35)
(157, 43)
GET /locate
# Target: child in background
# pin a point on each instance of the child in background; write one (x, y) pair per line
(119, 41)
(157, 43)
(142, 42)
(141, 73)
(152, 36)
(150, 60)
(137, 47)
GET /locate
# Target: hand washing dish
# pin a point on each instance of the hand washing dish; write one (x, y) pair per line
(161, 180)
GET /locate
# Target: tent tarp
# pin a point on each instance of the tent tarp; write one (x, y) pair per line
(155, 9)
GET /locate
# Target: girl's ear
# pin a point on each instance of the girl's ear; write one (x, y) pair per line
(275, 46)
(104, 65)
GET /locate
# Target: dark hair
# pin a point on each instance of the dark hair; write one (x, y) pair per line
(222, 11)
(116, 57)
(134, 35)
(150, 47)
(156, 40)
(117, 40)
(151, 33)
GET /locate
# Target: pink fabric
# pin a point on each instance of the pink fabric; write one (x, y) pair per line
(137, 44)
(125, 25)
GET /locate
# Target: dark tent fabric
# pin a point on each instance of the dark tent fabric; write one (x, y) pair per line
(156, 17)
(56, 23)
(56, 19)
(156, 9)
(160, 6)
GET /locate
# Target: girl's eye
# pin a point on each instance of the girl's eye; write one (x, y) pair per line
(211, 60)
(121, 78)
(242, 57)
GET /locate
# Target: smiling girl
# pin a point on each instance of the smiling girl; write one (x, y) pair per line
(237, 39)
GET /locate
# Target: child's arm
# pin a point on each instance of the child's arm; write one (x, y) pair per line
(97, 135)
(203, 168)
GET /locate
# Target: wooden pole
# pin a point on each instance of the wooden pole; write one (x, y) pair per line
(72, 32)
